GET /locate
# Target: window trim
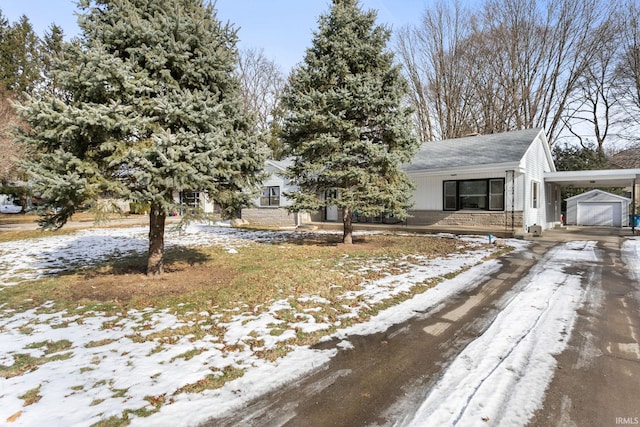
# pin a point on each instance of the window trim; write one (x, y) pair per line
(457, 182)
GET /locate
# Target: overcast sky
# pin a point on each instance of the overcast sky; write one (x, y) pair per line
(283, 28)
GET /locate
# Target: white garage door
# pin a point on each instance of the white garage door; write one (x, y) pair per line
(603, 213)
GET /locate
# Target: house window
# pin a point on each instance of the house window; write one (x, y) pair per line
(450, 195)
(270, 196)
(190, 198)
(496, 194)
(535, 194)
(474, 194)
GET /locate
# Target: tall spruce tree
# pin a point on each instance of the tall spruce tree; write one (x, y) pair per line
(347, 130)
(20, 65)
(151, 107)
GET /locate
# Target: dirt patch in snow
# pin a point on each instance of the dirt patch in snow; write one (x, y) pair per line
(124, 287)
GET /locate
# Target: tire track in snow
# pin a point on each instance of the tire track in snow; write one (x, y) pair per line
(501, 361)
(502, 375)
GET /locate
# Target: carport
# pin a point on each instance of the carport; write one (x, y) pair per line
(599, 179)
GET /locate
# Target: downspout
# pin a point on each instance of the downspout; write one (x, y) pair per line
(512, 173)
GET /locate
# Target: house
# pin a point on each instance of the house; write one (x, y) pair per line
(492, 180)
(505, 182)
(270, 208)
(598, 207)
(194, 200)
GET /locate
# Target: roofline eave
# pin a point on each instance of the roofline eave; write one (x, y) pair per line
(452, 171)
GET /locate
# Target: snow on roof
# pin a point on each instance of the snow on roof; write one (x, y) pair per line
(507, 147)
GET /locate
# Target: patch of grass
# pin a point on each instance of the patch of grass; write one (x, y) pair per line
(31, 396)
(50, 347)
(205, 287)
(100, 343)
(206, 277)
(10, 236)
(157, 401)
(113, 421)
(277, 331)
(188, 355)
(26, 363)
(119, 392)
(273, 354)
(212, 381)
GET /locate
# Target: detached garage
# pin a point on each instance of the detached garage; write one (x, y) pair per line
(597, 207)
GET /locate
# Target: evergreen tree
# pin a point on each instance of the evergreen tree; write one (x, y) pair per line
(579, 157)
(51, 47)
(569, 157)
(347, 129)
(19, 57)
(151, 108)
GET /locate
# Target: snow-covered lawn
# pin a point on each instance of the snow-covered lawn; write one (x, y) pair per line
(80, 370)
(68, 369)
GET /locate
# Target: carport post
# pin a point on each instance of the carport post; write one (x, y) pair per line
(633, 207)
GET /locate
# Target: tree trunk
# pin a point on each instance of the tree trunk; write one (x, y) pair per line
(347, 236)
(23, 203)
(155, 262)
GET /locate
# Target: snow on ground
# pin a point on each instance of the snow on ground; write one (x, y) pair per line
(104, 371)
(20, 261)
(88, 368)
(500, 378)
(630, 255)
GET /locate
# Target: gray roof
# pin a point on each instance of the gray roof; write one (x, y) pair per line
(626, 159)
(597, 195)
(281, 164)
(507, 147)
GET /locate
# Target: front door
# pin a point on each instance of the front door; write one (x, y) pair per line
(331, 211)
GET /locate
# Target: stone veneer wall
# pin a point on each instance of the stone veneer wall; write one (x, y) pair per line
(465, 218)
(272, 217)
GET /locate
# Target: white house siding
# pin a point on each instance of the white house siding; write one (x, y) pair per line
(427, 201)
(428, 192)
(206, 203)
(535, 163)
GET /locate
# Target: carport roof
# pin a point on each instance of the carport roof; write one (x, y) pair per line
(594, 178)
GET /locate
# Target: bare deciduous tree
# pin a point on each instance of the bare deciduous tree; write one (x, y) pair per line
(262, 84)
(10, 150)
(594, 105)
(515, 67)
(433, 65)
(628, 70)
